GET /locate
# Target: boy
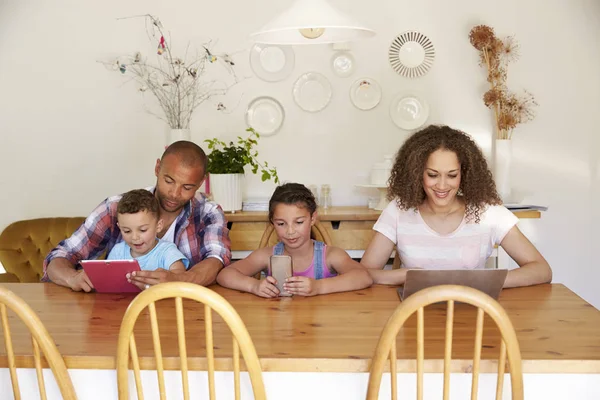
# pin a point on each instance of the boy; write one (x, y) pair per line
(137, 215)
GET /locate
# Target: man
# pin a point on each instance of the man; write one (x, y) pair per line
(196, 226)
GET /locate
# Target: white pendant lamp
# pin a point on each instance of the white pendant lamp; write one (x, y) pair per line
(311, 22)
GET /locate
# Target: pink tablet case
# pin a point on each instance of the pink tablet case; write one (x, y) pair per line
(108, 276)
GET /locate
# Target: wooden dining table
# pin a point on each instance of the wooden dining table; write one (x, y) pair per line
(558, 332)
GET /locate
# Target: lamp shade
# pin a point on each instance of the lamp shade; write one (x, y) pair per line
(311, 22)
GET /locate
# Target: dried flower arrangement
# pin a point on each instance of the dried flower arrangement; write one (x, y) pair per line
(509, 108)
(175, 82)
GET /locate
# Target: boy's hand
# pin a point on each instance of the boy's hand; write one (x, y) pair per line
(266, 288)
(302, 286)
(144, 279)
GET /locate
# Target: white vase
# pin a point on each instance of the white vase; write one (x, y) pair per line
(227, 190)
(502, 167)
(174, 135)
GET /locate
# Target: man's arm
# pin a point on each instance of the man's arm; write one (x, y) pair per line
(62, 272)
(214, 236)
(87, 242)
(204, 273)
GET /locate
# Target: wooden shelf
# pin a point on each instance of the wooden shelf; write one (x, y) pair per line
(343, 213)
(350, 228)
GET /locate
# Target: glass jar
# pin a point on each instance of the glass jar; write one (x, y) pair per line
(325, 200)
(315, 191)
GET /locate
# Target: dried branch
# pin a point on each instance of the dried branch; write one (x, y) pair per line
(495, 54)
(175, 82)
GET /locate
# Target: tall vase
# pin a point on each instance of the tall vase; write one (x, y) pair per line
(227, 190)
(502, 166)
(174, 135)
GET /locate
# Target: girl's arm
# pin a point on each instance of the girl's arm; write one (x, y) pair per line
(534, 267)
(351, 275)
(240, 275)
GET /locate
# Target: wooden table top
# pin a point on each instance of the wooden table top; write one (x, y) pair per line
(558, 332)
(342, 213)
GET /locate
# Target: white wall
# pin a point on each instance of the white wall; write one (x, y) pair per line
(72, 133)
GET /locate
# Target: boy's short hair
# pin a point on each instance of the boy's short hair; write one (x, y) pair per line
(138, 200)
(292, 194)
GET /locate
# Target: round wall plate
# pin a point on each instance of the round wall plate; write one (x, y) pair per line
(272, 63)
(411, 54)
(312, 92)
(409, 111)
(265, 115)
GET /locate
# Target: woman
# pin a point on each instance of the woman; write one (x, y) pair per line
(445, 213)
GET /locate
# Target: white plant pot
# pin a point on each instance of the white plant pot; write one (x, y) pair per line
(175, 135)
(502, 167)
(227, 190)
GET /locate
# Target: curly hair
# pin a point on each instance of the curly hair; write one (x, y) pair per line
(477, 186)
(293, 194)
(138, 200)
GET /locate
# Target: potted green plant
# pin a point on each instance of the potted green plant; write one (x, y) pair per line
(226, 167)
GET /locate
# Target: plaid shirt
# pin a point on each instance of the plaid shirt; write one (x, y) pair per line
(200, 232)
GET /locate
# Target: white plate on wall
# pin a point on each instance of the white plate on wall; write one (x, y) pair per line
(343, 64)
(265, 115)
(409, 111)
(411, 54)
(272, 63)
(312, 92)
(365, 93)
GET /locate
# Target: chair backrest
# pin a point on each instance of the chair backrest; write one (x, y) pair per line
(25, 244)
(40, 339)
(317, 232)
(211, 301)
(386, 348)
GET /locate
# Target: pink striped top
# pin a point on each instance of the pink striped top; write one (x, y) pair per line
(468, 247)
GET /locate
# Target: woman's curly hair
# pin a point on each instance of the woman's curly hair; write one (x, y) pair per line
(477, 186)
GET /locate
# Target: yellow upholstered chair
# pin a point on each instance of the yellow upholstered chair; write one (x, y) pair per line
(212, 301)
(25, 244)
(317, 232)
(386, 348)
(40, 339)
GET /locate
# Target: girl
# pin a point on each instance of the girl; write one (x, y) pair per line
(317, 268)
(445, 213)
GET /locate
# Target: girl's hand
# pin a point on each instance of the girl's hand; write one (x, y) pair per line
(301, 286)
(266, 288)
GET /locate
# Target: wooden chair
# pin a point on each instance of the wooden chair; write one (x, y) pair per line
(448, 293)
(211, 301)
(40, 339)
(317, 232)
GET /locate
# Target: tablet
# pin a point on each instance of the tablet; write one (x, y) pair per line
(489, 281)
(109, 276)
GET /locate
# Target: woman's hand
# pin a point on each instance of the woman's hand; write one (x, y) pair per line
(301, 286)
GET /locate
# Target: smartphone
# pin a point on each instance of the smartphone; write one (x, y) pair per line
(281, 268)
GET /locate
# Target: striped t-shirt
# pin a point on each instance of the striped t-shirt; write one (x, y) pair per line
(468, 247)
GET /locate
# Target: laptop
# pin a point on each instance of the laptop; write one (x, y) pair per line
(109, 276)
(489, 281)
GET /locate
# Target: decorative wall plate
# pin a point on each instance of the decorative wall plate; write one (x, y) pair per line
(265, 115)
(272, 63)
(312, 92)
(411, 54)
(343, 64)
(409, 111)
(365, 93)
